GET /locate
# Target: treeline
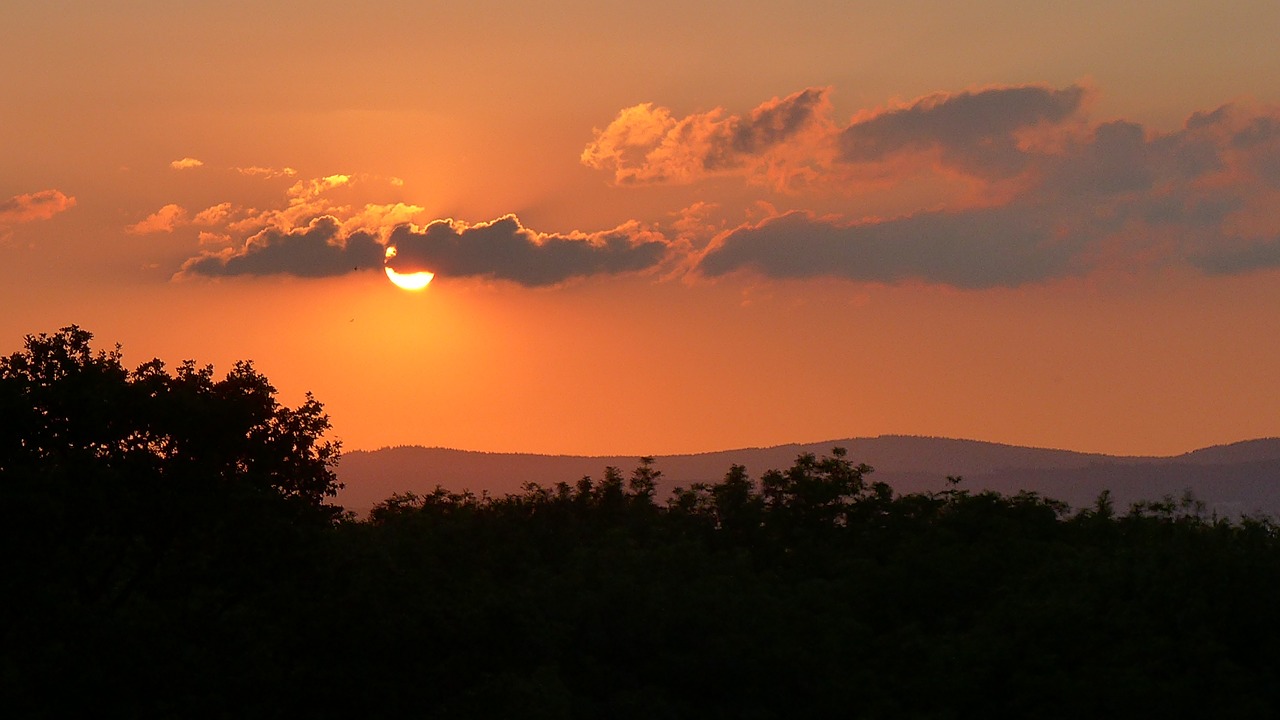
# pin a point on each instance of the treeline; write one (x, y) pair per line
(154, 571)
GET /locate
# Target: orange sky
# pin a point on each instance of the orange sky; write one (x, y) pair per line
(665, 228)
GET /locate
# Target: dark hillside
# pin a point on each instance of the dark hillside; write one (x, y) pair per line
(1242, 477)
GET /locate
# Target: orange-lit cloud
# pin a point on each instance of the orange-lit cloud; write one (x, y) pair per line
(186, 163)
(305, 190)
(213, 214)
(309, 235)
(695, 223)
(267, 172)
(646, 144)
(34, 206)
(212, 238)
(503, 249)
(381, 218)
(163, 220)
(305, 201)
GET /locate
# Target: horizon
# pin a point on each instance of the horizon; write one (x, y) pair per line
(886, 436)
(665, 228)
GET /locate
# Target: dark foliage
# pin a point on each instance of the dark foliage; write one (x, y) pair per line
(166, 560)
(159, 525)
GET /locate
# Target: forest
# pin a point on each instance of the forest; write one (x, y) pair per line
(170, 550)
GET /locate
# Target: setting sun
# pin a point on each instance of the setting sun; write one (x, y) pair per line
(406, 281)
(410, 281)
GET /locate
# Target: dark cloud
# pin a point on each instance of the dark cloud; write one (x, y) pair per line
(972, 249)
(1259, 131)
(1117, 159)
(1201, 215)
(505, 250)
(502, 249)
(1261, 140)
(1119, 196)
(1240, 146)
(975, 131)
(776, 121)
(1201, 119)
(1235, 259)
(319, 249)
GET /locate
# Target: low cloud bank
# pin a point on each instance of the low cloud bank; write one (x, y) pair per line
(506, 250)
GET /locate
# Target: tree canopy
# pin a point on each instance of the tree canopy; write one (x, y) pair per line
(69, 410)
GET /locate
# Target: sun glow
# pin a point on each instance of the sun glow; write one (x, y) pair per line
(407, 281)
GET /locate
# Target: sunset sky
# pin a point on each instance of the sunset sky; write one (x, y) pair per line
(665, 227)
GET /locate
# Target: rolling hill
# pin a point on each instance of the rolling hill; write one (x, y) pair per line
(1234, 479)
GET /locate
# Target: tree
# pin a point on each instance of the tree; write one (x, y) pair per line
(167, 512)
(71, 412)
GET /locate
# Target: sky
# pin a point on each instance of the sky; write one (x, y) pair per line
(665, 227)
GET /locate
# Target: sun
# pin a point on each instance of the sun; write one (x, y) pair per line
(410, 281)
(407, 281)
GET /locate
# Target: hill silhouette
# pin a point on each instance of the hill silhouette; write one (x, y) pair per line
(1234, 479)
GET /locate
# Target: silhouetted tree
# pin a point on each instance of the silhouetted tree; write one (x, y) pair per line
(160, 514)
(68, 408)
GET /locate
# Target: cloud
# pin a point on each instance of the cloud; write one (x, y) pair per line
(1235, 260)
(40, 205)
(266, 172)
(974, 131)
(319, 249)
(185, 163)
(163, 220)
(306, 201)
(305, 190)
(213, 215)
(381, 218)
(306, 235)
(695, 224)
(1050, 195)
(983, 133)
(1033, 190)
(646, 144)
(503, 249)
(312, 236)
(979, 248)
(213, 238)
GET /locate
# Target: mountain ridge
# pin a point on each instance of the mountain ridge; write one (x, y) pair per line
(1233, 478)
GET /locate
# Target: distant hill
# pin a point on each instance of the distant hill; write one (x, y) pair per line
(1242, 477)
